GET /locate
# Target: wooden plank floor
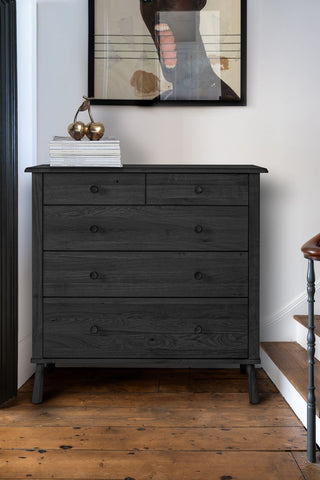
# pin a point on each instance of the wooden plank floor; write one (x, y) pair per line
(152, 424)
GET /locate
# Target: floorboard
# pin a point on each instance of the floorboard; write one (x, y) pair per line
(151, 465)
(152, 424)
(311, 471)
(154, 438)
(215, 416)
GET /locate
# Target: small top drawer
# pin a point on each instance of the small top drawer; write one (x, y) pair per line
(94, 189)
(195, 189)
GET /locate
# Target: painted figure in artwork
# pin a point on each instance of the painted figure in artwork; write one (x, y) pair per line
(175, 28)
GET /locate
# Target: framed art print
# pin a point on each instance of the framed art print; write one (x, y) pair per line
(175, 52)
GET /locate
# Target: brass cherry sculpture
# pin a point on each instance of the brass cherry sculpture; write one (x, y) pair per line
(78, 130)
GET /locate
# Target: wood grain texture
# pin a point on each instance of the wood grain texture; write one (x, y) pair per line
(110, 438)
(292, 360)
(254, 265)
(152, 233)
(181, 399)
(78, 189)
(311, 249)
(125, 433)
(145, 228)
(145, 274)
(37, 259)
(97, 342)
(156, 465)
(145, 328)
(197, 189)
(218, 415)
(310, 471)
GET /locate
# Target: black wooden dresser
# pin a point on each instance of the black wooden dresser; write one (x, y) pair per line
(146, 266)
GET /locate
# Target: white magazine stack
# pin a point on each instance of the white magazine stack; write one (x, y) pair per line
(66, 152)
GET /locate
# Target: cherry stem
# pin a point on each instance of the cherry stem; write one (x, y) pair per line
(89, 108)
(75, 118)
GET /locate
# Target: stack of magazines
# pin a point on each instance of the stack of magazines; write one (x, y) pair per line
(66, 152)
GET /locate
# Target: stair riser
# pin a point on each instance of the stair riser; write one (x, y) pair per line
(301, 338)
(287, 390)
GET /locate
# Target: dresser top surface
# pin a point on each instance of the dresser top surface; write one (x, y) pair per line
(144, 168)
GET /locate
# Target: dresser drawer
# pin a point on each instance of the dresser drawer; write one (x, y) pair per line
(145, 274)
(145, 228)
(197, 189)
(94, 189)
(145, 328)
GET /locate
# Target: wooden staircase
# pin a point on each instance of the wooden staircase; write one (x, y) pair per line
(303, 320)
(301, 332)
(294, 369)
(286, 363)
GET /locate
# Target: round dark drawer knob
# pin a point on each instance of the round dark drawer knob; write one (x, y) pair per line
(198, 229)
(198, 189)
(198, 276)
(94, 275)
(198, 329)
(94, 189)
(94, 329)
(94, 229)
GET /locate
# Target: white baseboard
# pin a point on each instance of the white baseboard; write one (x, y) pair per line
(301, 335)
(25, 367)
(277, 327)
(287, 390)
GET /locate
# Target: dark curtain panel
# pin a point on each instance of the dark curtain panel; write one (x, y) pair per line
(8, 204)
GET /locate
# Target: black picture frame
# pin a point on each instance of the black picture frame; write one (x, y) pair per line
(240, 101)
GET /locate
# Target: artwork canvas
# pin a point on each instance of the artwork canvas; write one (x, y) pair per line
(167, 52)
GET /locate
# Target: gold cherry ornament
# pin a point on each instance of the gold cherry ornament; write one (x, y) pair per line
(77, 130)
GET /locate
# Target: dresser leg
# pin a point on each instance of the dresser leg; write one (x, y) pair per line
(37, 395)
(252, 385)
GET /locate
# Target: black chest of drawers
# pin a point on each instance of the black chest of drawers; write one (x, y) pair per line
(146, 266)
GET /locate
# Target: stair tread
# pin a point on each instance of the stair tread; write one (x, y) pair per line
(303, 319)
(292, 361)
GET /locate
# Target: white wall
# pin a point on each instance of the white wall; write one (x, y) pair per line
(279, 129)
(27, 151)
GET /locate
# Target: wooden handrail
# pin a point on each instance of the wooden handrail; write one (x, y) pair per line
(311, 249)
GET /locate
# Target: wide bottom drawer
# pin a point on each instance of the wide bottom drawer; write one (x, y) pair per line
(145, 328)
